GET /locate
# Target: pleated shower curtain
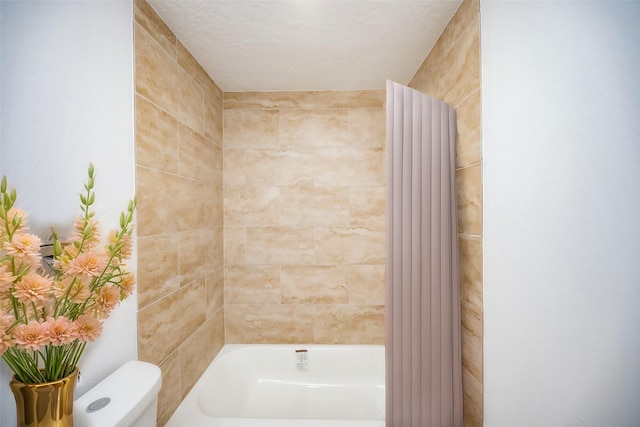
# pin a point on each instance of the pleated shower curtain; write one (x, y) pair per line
(423, 354)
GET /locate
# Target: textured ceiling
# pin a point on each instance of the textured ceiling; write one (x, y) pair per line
(276, 45)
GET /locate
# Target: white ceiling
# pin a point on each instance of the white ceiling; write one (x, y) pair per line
(278, 45)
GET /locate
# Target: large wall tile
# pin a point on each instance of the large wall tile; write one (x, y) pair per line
(213, 203)
(148, 19)
(274, 168)
(367, 284)
(156, 72)
(470, 270)
(156, 137)
(198, 156)
(217, 166)
(189, 204)
(349, 167)
(367, 127)
(314, 128)
(170, 394)
(215, 292)
(252, 206)
(326, 284)
(235, 239)
(349, 324)
(215, 333)
(318, 166)
(472, 400)
(305, 205)
(349, 245)
(279, 323)
(192, 364)
(235, 328)
(156, 209)
(158, 268)
(472, 354)
(199, 250)
(310, 100)
(252, 284)
(367, 206)
(251, 129)
(279, 245)
(234, 169)
(472, 341)
(213, 123)
(469, 121)
(469, 199)
(166, 324)
(197, 73)
(190, 102)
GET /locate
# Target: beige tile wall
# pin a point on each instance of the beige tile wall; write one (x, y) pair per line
(451, 72)
(179, 218)
(304, 206)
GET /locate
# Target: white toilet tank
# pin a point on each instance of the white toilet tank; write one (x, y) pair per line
(126, 398)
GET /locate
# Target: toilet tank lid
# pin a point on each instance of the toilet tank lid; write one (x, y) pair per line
(132, 386)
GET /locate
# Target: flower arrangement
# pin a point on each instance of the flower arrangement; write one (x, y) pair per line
(49, 311)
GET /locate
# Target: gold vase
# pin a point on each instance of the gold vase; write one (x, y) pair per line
(45, 404)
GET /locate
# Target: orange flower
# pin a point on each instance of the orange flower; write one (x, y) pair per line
(87, 264)
(106, 301)
(59, 331)
(128, 284)
(6, 340)
(33, 288)
(25, 248)
(29, 336)
(6, 281)
(88, 328)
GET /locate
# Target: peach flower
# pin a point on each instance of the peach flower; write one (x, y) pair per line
(33, 288)
(30, 336)
(6, 281)
(6, 340)
(88, 328)
(60, 330)
(25, 248)
(106, 301)
(87, 264)
(128, 284)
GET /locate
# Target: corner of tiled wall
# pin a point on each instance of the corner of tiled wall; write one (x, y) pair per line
(178, 128)
(451, 73)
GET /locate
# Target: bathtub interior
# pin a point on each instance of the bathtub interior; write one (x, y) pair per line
(343, 382)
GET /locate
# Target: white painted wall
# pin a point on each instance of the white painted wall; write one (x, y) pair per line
(67, 100)
(561, 131)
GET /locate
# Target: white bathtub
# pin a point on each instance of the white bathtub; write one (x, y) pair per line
(271, 385)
